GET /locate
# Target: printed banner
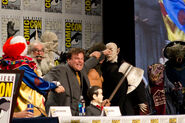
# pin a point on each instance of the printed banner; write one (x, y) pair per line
(55, 25)
(6, 96)
(92, 34)
(11, 4)
(173, 16)
(53, 6)
(73, 6)
(33, 5)
(11, 22)
(154, 120)
(30, 24)
(93, 7)
(73, 34)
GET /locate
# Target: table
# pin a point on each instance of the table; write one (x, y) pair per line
(125, 119)
(105, 119)
(36, 120)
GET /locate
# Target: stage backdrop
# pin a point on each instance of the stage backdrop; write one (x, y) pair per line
(150, 33)
(77, 23)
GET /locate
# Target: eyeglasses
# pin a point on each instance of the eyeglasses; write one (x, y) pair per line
(37, 51)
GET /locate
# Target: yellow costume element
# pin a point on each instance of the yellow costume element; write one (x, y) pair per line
(23, 99)
(28, 95)
(174, 33)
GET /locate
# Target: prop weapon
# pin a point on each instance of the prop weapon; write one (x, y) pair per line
(132, 74)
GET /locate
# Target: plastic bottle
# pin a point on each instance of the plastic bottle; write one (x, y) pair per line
(30, 106)
(81, 106)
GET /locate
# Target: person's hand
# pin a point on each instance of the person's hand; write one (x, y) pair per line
(23, 114)
(60, 89)
(95, 54)
(143, 107)
(178, 86)
(106, 102)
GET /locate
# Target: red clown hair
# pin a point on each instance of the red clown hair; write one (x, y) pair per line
(13, 50)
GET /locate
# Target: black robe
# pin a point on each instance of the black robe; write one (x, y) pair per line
(111, 79)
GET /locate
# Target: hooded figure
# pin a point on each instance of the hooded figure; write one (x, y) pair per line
(175, 66)
(32, 87)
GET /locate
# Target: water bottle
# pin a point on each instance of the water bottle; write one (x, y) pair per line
(81, 106)
(30, 106)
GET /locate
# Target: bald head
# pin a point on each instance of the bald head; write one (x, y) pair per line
(114, 52)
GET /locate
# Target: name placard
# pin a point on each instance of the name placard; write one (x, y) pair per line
(58, 111)
(112, 111)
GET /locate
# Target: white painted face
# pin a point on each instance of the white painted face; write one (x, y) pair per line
(114, 54)
(99, 97)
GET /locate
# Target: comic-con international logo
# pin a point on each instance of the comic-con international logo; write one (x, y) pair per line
(73, 34)
(30, 26)
(93, 7)
(11, 4)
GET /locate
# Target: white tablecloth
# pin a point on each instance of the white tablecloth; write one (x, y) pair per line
(126, 119)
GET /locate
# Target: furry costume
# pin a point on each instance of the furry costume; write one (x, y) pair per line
(175, 66)
(50, 41)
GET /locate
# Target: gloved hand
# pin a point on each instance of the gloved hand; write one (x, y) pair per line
(143, 107)
(57, 83)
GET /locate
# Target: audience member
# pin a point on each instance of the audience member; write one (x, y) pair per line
(32, 87)
(95, 94)
(73, 76)
(166, 96)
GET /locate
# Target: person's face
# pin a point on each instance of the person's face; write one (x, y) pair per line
(76, 61)
(99, 97)
(38, 52)
(114, 51)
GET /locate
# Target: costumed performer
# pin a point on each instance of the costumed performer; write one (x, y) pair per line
(50, 41)
(95, 95)
(129, 97)
(165, 95)
(175, 66)
(95, 74)
(32, 86)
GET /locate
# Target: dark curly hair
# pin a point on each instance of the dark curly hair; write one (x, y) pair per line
(74, 51)
(92, 90)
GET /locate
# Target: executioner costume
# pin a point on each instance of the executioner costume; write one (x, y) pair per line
(130, 96)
